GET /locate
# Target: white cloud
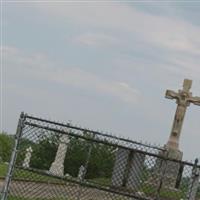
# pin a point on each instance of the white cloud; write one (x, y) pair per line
(86, 80)
(161, 31)
(38, 66)
(128, 29)
(95, 39)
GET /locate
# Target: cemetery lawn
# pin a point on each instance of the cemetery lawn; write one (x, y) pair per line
(101, 181)
(21, 174)
(165, 193)
(22, 198)
(19, 198)
(3, 170)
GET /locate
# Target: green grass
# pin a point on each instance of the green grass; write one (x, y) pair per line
(3, 170)
(165, 193)
(25, 175)
(22, 198)
(101, 181)
(22, 174)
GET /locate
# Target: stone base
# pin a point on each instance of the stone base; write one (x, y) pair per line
(134, 177)
(128, 169)
(172, 153)
(57, 169)
(167, 170)
(119, 171)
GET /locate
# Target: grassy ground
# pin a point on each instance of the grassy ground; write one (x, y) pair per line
(101, 181)
(21, 174)
(21, 198)
(164, 193)
(26, 175)
(3, 170)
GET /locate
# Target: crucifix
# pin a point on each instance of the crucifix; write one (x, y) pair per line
(183, 99)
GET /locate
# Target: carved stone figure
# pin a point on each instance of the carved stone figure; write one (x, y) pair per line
(27, 158)
(172, 169)
(183, 99)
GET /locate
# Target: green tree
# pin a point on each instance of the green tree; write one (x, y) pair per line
(100, 164)
(76, 155)
(6, 143)
(44, 151)
(101, 160)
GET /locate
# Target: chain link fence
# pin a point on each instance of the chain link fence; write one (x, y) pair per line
(52, 160)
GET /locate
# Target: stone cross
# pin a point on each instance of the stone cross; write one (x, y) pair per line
(57, 167)
(183, 99)
(27, 159)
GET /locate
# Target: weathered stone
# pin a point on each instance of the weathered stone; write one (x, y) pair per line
(135, 171)
(120, 167)
(183, 99)
(171, 169)
(81, 173)
(167, 170)
(27, 159)
(57, 167)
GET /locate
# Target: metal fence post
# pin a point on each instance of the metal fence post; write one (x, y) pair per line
(194, 182)
(13, 157)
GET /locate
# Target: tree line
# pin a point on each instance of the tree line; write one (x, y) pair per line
(6, 143)
(101, 160)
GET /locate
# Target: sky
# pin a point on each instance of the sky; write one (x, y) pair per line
(104, 65)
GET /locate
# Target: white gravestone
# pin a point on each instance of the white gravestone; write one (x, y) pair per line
(27, 159)
(57, 167)
(81, 173)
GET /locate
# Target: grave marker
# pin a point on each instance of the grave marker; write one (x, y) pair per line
(120, 167)
(57, 167)
(27, 159)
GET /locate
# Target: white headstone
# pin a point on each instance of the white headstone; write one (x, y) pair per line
(57, 167)
(27, 159)
(81, 173)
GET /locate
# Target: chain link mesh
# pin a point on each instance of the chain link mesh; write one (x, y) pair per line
(62, 161)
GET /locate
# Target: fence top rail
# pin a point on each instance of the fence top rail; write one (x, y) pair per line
(99, 140)
(69, 125)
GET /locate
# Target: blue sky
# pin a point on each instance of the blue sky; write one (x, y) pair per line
(102, 64)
